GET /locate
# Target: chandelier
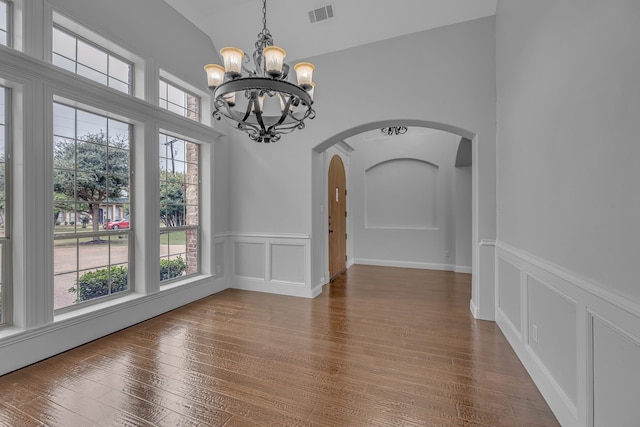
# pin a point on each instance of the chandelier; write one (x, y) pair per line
(394, 130)
(261, 101)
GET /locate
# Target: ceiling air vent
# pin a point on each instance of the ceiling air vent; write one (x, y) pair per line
(321, 14)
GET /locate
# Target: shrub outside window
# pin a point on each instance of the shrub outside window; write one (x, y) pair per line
(87, 59)
(91, 192)
(179, 207)
(179, 101)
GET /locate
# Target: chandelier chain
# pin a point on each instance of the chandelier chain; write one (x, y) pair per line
(264, 16)
(264, 37)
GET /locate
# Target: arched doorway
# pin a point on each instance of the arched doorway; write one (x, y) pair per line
(337, 217)
(483, 284)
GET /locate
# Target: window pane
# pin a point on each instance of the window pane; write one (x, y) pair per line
(90, 189)
(179, 200)
(3, 16)
(64, 121)
(179, 101)
(63, 62)
(64, 44)
(92, 74)
(176, 96)
(92, 57)
(3, 206)
(119, 134)
(119, 69)
(118, 85)
(92, 127)
(93, 62)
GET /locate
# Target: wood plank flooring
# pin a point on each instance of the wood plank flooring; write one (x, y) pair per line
(380, 347)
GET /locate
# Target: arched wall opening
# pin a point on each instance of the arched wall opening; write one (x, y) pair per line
(482, 290)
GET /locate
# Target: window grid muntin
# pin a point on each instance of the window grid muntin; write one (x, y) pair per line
(165, 230)
(77, 234)
(109, 77)
(185, 111)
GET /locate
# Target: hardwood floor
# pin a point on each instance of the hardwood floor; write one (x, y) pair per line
(380, 347)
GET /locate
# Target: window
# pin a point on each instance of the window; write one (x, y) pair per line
(91, 192)
(179, 101)
(82, 57)
(179, 207)
(4, 237)
(5, 21)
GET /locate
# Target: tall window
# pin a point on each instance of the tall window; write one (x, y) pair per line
(179, 101)
(4, 237)
(179, 207)
(5, 21)
(92, 205)
(89, 60)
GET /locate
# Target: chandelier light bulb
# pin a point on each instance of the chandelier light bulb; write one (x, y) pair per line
(232, 57)
(273, 60)
(304, 72)
(215, 75)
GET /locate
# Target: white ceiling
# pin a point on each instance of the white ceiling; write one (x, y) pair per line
(356, 22)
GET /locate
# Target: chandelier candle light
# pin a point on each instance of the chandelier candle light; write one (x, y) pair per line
(244, 96)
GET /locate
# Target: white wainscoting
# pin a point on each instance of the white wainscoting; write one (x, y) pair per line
(579, 341)
(273, 263)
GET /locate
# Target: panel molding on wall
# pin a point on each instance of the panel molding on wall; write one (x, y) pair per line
(614, 377)
(272, 263)
(571, 307)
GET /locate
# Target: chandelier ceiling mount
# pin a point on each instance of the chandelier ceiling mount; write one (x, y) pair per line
(394, 130)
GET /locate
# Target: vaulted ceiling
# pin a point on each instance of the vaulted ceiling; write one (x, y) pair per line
(355, 22)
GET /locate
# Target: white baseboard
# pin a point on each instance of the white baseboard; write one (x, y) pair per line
(473, 308)
(462, 269)
(405, 264)
(274, 287)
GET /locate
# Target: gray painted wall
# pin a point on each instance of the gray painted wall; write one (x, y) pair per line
(568, 108)
(403, 196)
(569, 202)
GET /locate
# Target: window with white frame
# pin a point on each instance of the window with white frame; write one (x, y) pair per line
(92, 206)
(4, 208)
(5, 23)
(80, 56)
(179, 207)
(179, 101)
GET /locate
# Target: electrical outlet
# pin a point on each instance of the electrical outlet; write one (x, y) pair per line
(446, 254)
(534, 333)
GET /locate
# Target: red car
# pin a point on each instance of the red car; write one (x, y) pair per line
(117, 223)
